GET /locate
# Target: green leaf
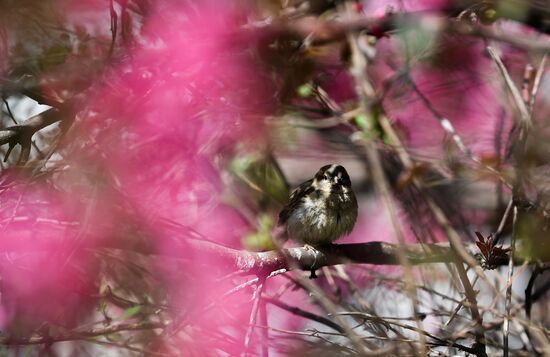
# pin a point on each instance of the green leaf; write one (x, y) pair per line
(262, 175)
(261, 239)
(305, 90)
(362, 121)
(130, 312)
(368, 123)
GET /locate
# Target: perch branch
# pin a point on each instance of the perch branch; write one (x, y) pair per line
(378, 253)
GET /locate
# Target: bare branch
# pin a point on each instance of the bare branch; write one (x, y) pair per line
(506, 324)
(320, 32)
(21, 134)
(516, 95)
(81, 335)
(253, 315)
(379, 253)
(306, 314)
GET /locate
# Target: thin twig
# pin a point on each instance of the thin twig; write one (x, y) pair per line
(508, 304)
(141, 352)
(312, 333)
(12, 117)
(502, 223)
(305, 314)
(514, 91)
(412, 328)
(257, 297)
(324, 123)
(319, 295)
(536, 84)
(479, 346)
(366, 94)
(529, 288)
(114, 27)
(449, 128)
(321, 32)
(438, 214)
(265, 332)
(22, 133)
(82, 334)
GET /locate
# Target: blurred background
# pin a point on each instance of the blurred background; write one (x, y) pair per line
(130, 129)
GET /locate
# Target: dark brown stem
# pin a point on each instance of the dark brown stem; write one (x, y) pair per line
(529, 289)
(21, 134)
(479, 332)
(378, 253)
(306, 314)
(30, 126)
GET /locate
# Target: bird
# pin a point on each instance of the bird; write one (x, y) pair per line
(322, 209)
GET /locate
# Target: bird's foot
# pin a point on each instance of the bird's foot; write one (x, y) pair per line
(312, 274)
(312, 249)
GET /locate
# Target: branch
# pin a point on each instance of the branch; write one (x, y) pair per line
(22, 133)
(321, 32)
(306, 314)
(378, 253)
(30, 126)
(80, 335)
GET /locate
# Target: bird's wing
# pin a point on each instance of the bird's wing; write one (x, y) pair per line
(295, 197)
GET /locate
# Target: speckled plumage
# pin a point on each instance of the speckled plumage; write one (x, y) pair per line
(322, 209)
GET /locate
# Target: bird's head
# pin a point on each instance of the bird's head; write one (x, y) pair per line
(331, 177)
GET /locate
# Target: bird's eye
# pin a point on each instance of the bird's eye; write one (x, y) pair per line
(325, 176)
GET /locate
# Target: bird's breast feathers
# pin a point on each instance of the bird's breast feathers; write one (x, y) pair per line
(314, 222)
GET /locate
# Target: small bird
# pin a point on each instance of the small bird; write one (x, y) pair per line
(322, 209)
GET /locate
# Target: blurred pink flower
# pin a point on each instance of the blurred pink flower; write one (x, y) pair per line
(148, 143)
(41, 269)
